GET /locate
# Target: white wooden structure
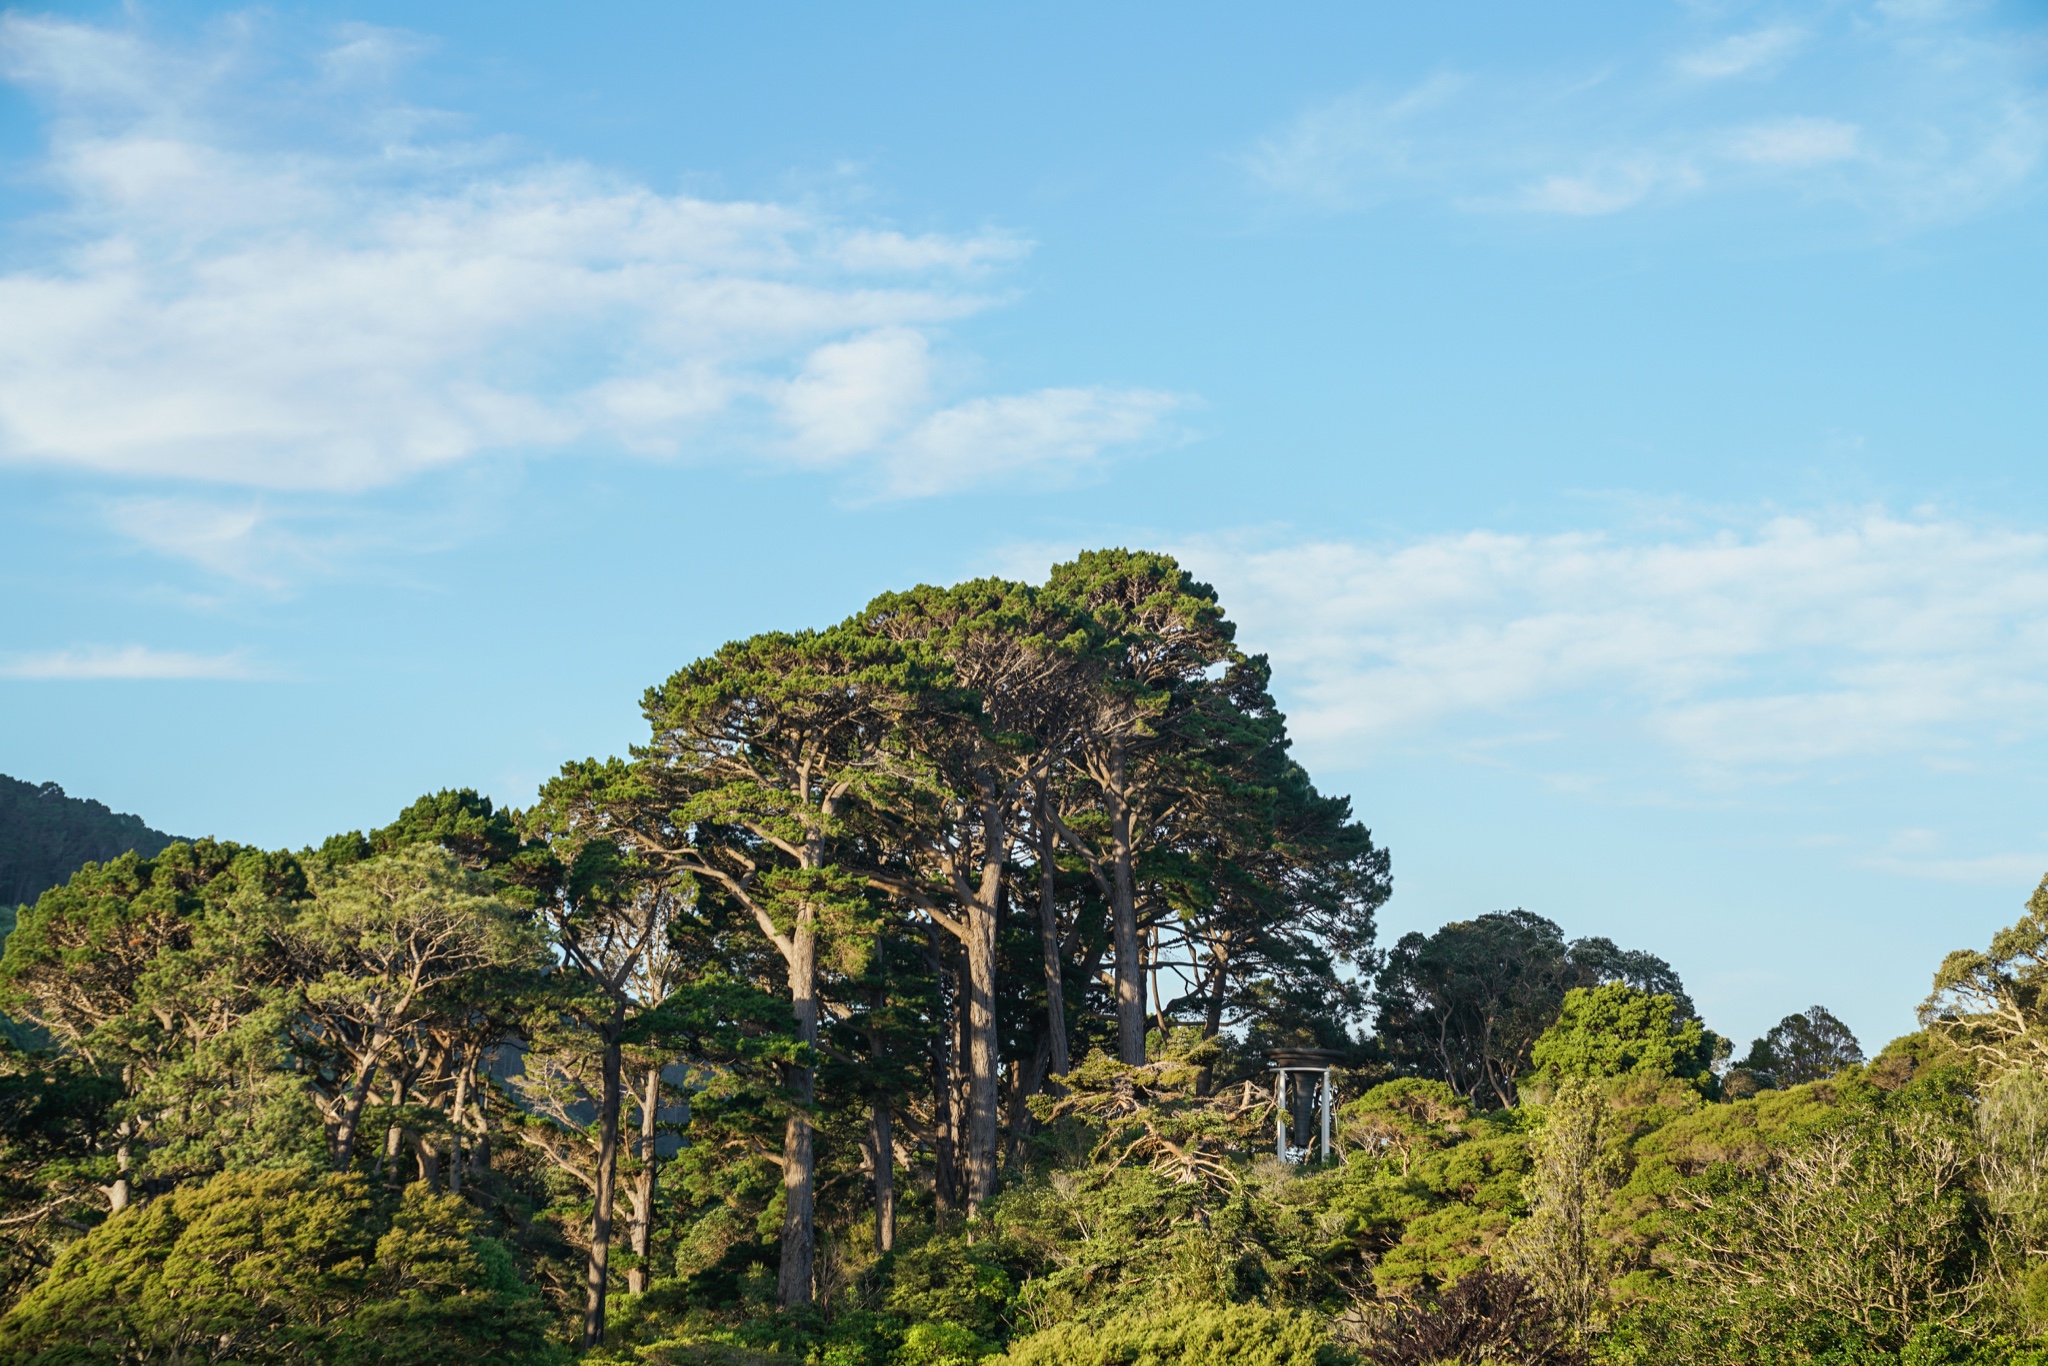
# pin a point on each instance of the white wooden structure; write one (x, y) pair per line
(1304, 1090)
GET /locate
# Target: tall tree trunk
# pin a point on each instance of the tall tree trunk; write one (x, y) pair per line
(1130, 967)
(983, 923)
(1026, 1081)
(641, 1237)
(394, 1138)
(957, 1057)
(1049, 934)
(1212, 1022)
(352, 1108)
(880, 1133)
(427, 1157)
(455, 1126)
(799, 1231)
(1151, 943)
(596, 1275)
(881, 1129)
(480, 1150)
(387, 1161)
(943, 1187)
(983, 1083)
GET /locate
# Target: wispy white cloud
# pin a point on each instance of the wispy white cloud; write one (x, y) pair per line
(1049, 436)
(1765, 648)
(1918, 114)
(1742, 54)
(264, 541)
(1926, 854)
(337, 312)
(1609, 188)
(125, 662)
(1983, 870)
(1796, 142)
(1358, 145)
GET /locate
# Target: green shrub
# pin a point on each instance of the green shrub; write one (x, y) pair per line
(950, 1280)
(1239, 1335)
(282, 1266)
(940, 1344)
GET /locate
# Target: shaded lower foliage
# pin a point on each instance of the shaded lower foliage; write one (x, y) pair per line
(1488, 1316)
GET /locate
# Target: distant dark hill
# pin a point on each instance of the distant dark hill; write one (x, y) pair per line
(46, 836)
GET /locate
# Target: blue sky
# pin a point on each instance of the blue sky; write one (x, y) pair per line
(1621, 424)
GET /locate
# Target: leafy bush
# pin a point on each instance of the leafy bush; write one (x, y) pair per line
(282, 1266)
(940, 1344)
(1238, 1335)
(1618, 1031)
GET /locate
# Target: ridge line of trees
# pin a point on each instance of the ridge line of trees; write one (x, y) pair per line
(903, 998)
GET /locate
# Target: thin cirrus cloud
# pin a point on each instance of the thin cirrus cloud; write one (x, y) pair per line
(1797, 142)
(321, 315)
(1742, 54)
(1049, 436)
(1913, 115)
(1745, 650)
(102, 662)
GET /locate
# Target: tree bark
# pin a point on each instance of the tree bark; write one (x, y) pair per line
(982, 1084)
(1026, 1081)
(427, 1158)
(480, 1150)
(1150, 940)
(981, 920)
(1049, 934)
(640, 1238)
(1212, 1023)
(943, 1180)
(799, 1229)
(957, 1079)
(596, 1274)
(1130, 967)
(880, 1133)
(352, 1112)
(455, 1126)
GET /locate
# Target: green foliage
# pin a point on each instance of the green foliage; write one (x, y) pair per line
(1430, 1189)
(281, 1266)
(52, 1110)
(46, 836)
(1860, 1235)
(1810, 1046)
(1237, 1335)
(952, 1281)
(1467, 1004)
(1993, 1004)
(1618, 1031)
(939, 1343)
(1558, 1247)
(801, 964)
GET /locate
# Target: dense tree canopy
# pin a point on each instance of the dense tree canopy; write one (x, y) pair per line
(1809, 1046)
(46, 836)
(907, 995)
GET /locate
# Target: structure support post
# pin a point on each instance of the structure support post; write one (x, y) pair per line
(1329, 1095)
(1280, 1110)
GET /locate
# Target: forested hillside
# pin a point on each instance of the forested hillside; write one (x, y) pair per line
(46, 836)
(909, 995)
